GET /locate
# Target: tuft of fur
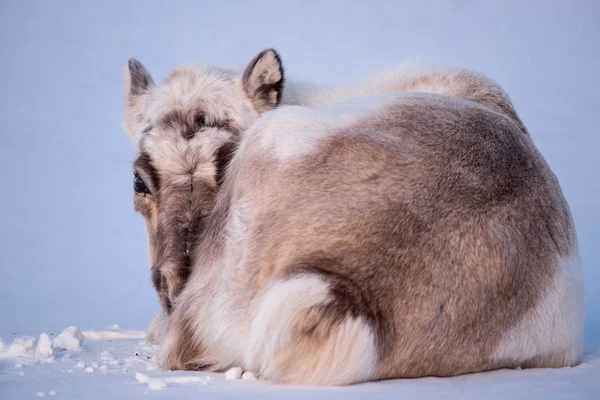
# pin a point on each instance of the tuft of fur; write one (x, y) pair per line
(296, 338)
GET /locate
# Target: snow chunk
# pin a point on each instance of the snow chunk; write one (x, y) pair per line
(107, 357)
(157, 384)
(233, 373)
(40, 394)
(2, 345)
(44, 346)
(113, 326)
(52, 393)
(248, 376)
(21, 346)
(143, 378)
(16, 349)
(18, 366)
(70, 338)
(80, 364)
(89, 370)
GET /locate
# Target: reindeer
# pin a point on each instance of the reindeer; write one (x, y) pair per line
(403, 227)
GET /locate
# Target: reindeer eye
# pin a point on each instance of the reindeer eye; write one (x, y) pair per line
(138, 184)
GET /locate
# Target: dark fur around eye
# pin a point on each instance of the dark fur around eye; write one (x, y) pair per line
(199, 122)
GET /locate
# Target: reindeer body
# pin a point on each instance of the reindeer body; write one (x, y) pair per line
(407, 227)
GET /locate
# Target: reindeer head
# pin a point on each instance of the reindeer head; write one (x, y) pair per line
(186, 130)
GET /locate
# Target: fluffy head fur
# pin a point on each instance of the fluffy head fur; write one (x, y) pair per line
(186, 130)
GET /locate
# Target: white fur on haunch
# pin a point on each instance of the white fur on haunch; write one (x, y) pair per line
(556, 324)
(347, 355)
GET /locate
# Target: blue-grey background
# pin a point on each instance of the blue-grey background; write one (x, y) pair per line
(72, 250)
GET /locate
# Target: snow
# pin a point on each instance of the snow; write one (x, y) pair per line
(157, 384)
(73, 251)
(233, 373)
(248, 376)
(70, 338)
(16, 349)
(130, 378)
(140, 377)
(44, 345)
(21, 346)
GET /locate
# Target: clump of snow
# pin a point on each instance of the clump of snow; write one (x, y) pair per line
(106, 356)
(113, 326)
(143, 378)
(44, 345)
(22, 351)
(157, 384)
(89, 370)
(16, 349)
(70, 338)
(21, 346)
(233, 373)
(40, 394)
(2, 345)
(248, 376)
(52, 393)
(80, 364)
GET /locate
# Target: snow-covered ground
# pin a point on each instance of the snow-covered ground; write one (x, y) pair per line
(72, 250)
(118, 365)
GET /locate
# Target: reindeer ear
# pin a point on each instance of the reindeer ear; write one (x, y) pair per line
(137, 78)
(263, 80)
(137, 82)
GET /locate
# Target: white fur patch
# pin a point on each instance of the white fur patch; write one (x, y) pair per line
(556, 325)
(348, 355)
(295, 131)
